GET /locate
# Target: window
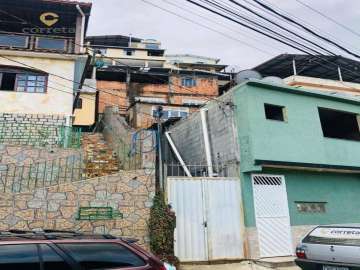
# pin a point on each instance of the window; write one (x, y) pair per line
(51, 44)
(7, 81)
(102, 256)
(129, 52)
(188, 82)
(13, 41)
(152, 46)
(31, 83)
(274, 112)
(103, 51)
(15, 257)
(78, 103)
(340, 125)
(167, 114)
(311, 207)
(52, 260)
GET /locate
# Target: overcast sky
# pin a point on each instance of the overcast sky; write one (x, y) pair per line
(179, 36)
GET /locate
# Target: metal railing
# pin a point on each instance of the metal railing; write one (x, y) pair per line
(21, 178)
(197, 170)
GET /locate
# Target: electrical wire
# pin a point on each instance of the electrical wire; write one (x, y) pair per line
(219, 23)
(329, 18)
(278, 25)
(308, 29)
(257, 24)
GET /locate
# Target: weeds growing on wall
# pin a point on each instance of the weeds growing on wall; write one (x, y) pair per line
(161, 227)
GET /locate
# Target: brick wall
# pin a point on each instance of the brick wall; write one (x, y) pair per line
(34, 129)
(116, 93)
(113, 94)
(56, 207)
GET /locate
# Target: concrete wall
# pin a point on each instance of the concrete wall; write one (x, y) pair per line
(300, 138)
(121, 138)
(188, 136)
(323, 85)
(86, 115)
(59, 96)
(56, 207)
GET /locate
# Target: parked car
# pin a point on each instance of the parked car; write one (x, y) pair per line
(335, 247)
(63, 250)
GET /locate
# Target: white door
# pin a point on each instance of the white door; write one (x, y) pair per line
(208, 218)
(223, 212)
(186, 199)
(272, 215)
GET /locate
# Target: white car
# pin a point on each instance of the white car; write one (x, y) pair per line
(335, 247)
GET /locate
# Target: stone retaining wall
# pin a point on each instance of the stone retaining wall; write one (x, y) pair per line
(56, 207)
(24, 155)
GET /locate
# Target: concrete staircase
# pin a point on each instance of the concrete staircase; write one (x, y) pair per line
(99, 158)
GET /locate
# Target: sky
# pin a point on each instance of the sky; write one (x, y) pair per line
(234, 45)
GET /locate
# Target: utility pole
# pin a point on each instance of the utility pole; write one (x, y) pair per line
(159, 114)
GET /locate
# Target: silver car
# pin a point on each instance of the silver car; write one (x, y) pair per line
(335, 247)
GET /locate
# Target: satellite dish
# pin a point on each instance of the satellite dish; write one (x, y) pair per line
(246, 75)
(274, 80)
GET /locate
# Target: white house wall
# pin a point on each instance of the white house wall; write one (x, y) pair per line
(57, 101)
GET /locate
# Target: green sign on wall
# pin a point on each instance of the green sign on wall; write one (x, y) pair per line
(98, 213)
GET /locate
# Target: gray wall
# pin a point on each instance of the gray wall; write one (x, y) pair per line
(188, 137)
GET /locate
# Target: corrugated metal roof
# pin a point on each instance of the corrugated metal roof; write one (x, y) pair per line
(318, 66)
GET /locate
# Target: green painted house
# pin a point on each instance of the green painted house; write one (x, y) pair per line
(296, 153)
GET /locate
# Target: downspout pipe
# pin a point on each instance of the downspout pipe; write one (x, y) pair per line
(203, 113)
(82, 35)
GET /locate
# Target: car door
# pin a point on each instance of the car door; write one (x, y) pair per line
(19, 256)
(54, 259)
(105, 256)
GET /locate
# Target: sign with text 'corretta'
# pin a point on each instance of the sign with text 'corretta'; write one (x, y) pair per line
(336, 232)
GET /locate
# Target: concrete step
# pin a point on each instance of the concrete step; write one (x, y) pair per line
(277, 262)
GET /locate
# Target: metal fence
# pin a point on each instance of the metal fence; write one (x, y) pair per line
(39, 135)
(197, 170)
(22, 178)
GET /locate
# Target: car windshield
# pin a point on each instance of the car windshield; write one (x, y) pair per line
(334, 236)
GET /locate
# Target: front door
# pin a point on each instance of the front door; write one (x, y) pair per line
(272, 215)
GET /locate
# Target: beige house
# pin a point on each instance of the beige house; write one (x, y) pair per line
(42, 61)
(116, 50)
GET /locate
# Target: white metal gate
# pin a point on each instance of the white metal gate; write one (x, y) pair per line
(208, 218)
(272, 215)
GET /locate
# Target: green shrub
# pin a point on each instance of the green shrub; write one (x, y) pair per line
(161, 227)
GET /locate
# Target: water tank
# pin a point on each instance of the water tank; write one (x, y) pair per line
(274, 80)
(246, 75)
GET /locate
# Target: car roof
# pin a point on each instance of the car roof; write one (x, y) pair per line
(42, 236)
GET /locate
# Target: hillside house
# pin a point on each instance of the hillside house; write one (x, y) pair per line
(294, 151)
(42, 60)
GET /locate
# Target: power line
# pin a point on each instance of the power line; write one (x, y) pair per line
(250, 27)
(257, 24)
(329, 18)
(296, 17)
(227, 27)
(207, 27)
(278, 25)
(307, 29)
